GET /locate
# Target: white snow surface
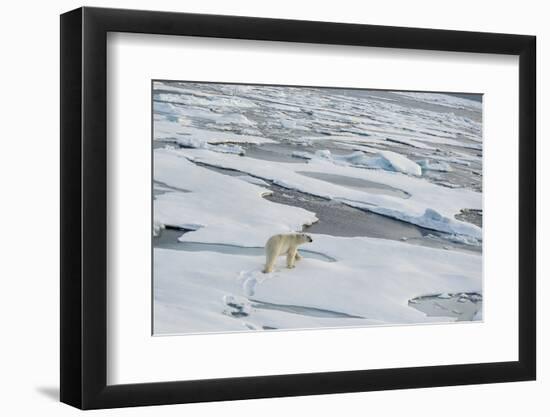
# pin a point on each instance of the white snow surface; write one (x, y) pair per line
(253, 180)
(371, 281)
(230, 211)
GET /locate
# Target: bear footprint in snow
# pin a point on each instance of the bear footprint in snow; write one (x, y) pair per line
(250, 280)
(236, 306)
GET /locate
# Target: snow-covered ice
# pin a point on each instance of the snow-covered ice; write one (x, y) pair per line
(429, 205)
(387, 160)
(371, 280)
(443, 100)
(230, 211)
(435, 165)
(220, 150)
(399, 163)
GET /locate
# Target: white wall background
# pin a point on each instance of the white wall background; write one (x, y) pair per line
(29, 160)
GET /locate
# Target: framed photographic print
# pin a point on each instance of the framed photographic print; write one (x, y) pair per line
(258, 207)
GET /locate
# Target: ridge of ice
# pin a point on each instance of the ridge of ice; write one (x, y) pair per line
(387, 160)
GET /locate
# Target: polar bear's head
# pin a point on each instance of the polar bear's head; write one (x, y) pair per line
(303, 238)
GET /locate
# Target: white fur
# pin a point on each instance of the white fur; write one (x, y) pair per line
(284, 244)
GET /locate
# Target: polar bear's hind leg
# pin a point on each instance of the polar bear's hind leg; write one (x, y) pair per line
(269, 262)
(271, 253)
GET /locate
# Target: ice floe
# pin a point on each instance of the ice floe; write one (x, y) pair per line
(229, 210)
(431, 165)
(442, 100)
(370, 283)
(387, 160)
(237, 119)
(430, 205)
(399, 163)
(190, 142)
(175, 132)
(253, 180)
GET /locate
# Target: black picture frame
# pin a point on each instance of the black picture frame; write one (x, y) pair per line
(84, 207)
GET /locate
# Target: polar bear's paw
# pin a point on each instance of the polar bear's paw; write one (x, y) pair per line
(249, 286)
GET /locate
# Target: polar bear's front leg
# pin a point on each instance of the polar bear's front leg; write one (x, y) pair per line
(297, 256)
(290, 257)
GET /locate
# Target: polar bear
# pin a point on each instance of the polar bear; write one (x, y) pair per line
(284, 244)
